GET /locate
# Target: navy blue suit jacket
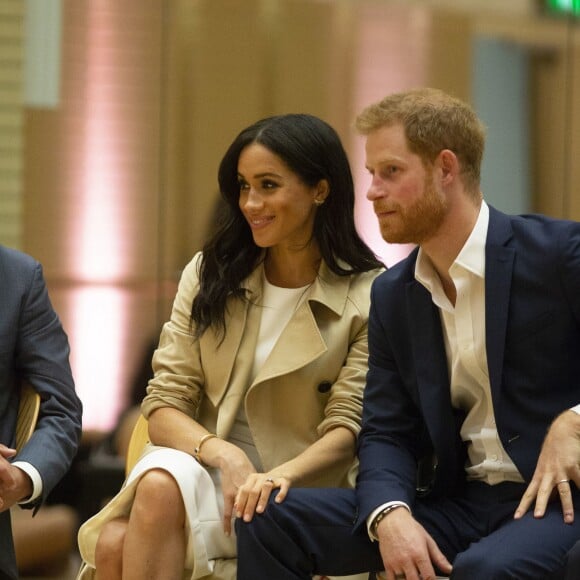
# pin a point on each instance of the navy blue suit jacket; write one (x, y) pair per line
(34, 347)
(532, 298)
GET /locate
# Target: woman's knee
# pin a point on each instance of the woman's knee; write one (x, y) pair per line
(109, 547)
(158, 498)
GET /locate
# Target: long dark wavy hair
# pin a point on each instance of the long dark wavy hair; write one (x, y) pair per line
(310, 148)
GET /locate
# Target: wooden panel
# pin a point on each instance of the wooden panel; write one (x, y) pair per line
(573, 146)
(228, 88)
(450, 53)
(305, 51)
(548, 147)
(94, 162)
(11, 120)
(173, 219)
(94, 191)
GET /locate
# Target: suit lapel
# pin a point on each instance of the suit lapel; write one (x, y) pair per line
(428, 347)
(430, 363)
(499, 261)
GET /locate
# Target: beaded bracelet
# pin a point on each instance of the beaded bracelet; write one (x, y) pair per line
(381, 515)
(197, 450)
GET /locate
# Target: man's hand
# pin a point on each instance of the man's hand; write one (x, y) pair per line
(558, 466)
(15, 485)
(408, 551)
(7, 452)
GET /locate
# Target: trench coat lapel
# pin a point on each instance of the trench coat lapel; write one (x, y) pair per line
(299, 344)
(301, 341)
(232, 360)
(234, 388)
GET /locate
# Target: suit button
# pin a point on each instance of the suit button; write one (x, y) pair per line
(324, 387)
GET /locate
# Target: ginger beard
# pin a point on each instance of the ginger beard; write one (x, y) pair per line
(417, 222)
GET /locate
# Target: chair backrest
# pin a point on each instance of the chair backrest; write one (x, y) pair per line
(28, 410)
(139, 438)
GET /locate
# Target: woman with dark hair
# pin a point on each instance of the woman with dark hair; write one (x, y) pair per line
(259, 373)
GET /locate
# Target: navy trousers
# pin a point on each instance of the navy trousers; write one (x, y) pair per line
(572, 568)
(312, 532)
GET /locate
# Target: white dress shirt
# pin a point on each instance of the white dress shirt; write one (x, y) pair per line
(32, 472)
(464, 333)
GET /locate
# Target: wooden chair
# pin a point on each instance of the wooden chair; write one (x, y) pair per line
(33, 552)
(139, 438)
(28, 410)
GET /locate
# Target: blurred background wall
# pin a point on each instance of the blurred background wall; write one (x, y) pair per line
(114, 115)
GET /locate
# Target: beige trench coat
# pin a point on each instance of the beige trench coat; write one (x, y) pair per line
(312, 381)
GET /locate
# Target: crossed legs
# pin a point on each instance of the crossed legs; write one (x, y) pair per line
(150, 543)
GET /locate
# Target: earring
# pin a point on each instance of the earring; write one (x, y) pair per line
(318, 202)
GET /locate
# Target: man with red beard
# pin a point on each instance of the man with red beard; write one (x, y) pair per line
(474, 373)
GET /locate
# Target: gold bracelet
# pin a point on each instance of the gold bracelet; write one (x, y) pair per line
(197, 450)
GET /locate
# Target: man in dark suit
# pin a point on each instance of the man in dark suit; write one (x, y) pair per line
(474, 364)
(33, 349)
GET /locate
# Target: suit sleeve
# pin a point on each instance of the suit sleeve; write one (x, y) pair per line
(42, 358)
(387, 443)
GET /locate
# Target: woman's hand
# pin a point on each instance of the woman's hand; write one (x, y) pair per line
(235, 469)
(253, 495)
(335, 445)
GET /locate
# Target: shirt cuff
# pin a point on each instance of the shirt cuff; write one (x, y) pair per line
(576, 409)
(32, 472)
(377, 511)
